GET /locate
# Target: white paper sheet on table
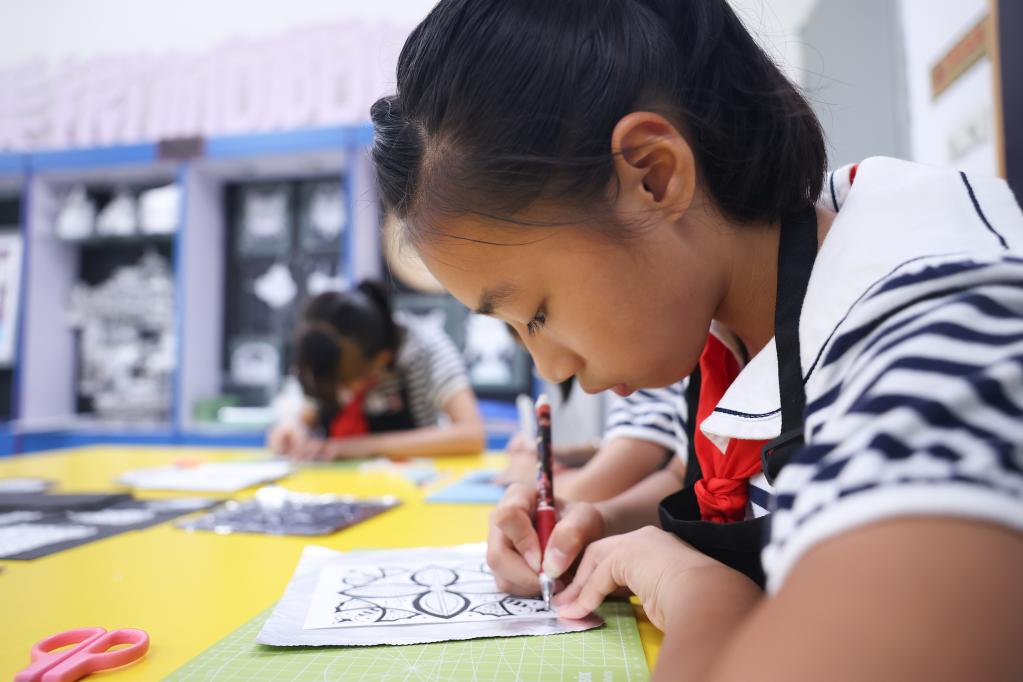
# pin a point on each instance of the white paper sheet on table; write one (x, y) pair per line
(287, 624)
(225, 477)
(24, 485)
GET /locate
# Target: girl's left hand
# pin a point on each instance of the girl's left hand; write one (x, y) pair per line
(352, 447)
(308, 449)
(650, 563)
(320, 449)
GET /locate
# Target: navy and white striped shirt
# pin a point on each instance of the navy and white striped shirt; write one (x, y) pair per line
(911, 339)
(656, 415)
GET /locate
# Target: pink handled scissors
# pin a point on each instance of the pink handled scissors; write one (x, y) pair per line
(87, 653)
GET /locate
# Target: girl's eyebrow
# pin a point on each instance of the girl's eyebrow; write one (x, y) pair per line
(493, 298)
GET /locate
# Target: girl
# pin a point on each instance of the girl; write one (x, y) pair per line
(617, 177)
(378, 384)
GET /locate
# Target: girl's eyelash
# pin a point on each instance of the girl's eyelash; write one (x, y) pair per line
(537, 323)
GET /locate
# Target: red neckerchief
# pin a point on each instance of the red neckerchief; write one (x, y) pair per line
(723, 492)
(351, 420)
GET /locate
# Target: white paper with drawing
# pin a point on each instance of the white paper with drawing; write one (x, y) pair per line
(406, 593)
(403, 596)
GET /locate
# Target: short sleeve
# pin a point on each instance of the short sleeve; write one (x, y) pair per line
(654, 415)
(431, 368)
(447, 373)
(922, 414)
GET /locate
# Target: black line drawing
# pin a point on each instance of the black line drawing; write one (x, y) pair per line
(431, 593)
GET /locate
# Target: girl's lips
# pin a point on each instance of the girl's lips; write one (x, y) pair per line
(622, 390)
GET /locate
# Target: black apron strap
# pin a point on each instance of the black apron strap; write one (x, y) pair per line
(693, 471)
(797, 250)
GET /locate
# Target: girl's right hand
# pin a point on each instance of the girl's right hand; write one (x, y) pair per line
(513, 548)
(286, 437)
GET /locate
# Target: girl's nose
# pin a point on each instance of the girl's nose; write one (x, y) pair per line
(555, 363)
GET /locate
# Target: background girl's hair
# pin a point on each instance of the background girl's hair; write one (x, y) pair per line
(363, 315)
(501, 103)
(317, 363)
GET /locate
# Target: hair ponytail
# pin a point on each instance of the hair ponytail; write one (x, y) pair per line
(378, 295)
(318, 363)
(397, 150)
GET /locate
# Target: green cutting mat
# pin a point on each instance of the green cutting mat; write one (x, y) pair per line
(612, 653)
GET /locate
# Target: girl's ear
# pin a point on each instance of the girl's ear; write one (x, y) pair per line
(655, 166)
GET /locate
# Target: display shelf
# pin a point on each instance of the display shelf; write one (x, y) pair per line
(42, 392)
(12, 206)
(7, 440)
(49, 354)
(99, 160)
(289, 158)
(12, 168)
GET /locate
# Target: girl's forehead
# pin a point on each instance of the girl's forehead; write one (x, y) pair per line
(468, 249)
(467, 242)
(467, 271)
(472, 255)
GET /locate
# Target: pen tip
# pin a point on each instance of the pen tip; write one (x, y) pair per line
(543, 400)
(546, 589)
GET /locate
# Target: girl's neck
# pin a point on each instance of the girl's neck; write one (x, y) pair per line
(747, 308)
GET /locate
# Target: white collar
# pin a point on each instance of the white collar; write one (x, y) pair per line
(896, 212)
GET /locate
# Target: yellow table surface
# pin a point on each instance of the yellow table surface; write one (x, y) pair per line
(189, 590)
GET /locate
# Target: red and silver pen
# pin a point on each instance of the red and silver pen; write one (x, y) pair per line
(545, 511)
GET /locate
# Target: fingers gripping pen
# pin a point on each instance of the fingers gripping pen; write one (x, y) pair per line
(545, 511)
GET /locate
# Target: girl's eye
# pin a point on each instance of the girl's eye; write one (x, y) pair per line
(538, 322)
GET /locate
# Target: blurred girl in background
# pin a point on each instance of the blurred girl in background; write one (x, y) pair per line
(376, 384)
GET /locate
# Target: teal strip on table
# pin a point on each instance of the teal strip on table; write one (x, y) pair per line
(476, 487)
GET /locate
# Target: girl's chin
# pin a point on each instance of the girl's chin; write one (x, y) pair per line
(622, 390)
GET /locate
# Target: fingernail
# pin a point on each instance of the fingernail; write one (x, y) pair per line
(554, 563)
(532, 558)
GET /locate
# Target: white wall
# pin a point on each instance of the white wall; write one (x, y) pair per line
(776, 24)
(56, 29)
(854, 65)
(966, 108)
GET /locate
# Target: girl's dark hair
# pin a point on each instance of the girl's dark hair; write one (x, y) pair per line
(362, 315)
(501, 103)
